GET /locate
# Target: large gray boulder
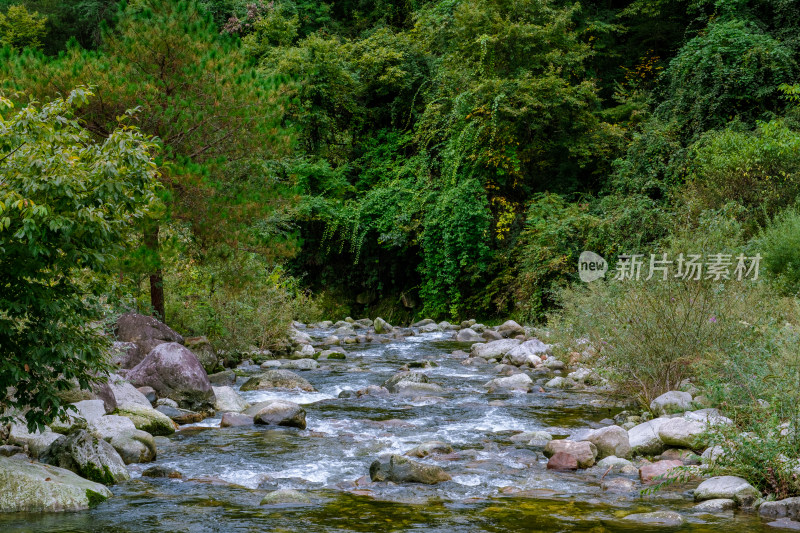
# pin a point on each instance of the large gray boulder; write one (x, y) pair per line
(144, 331)
(147, 419)
(278, 413)
(510, 329)
(125, 393)
(98, 391)
(401, 469)
(124, 353)
(394, 382)
(611, 440)
(276, 379)
(133, 445)
(381, 326)
(727, 487)
(518, 382)
(175, 372)
(468, 335)
(88, 456)
(206, 354)
(683, 433)
(529, 352)
(644, 438)
(671, 402)
(228, 400)
(494, 349)
(788, 507)
(37, 442)
(84, 411)
(36, 488)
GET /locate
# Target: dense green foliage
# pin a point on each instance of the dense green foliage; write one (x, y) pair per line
(437, 157)
(66, 203)
(451, 158)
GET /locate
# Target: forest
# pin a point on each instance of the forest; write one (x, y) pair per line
(235, 168)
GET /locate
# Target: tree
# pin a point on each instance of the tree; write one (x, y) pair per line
(20, 28)
(66, 203)
(216, 118)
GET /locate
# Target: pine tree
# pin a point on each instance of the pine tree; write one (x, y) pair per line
(216, 118)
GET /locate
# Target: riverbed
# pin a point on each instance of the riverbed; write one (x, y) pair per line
(497, 484)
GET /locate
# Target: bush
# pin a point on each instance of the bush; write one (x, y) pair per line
(652, 335)
(238, 299)
(756, 383)
(759, 170)
(779, 243)
(557, 231)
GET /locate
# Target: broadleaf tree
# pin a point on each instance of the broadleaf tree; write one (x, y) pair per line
(66, 203)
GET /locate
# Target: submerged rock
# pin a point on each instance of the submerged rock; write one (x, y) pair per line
(656, 518)
(285, 496)
(400, 469)
(277, 379)
(411, 389)
(162, 471)
(434, 447)
(36, 487)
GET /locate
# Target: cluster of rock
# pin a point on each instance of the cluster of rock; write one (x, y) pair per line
(69, 464)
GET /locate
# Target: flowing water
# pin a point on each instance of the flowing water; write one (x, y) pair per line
(497, 485)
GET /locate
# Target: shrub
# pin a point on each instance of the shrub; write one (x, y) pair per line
(238, 299)
(779, 243)
(759, 170)
(757, 384)
(651, 335)
(557, 231)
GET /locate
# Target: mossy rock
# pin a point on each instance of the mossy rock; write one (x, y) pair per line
(147, 419)
(37, 487)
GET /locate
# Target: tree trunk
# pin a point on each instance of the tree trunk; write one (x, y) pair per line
(157, 276)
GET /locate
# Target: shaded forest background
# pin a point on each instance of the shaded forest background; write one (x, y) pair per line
(440, 158)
